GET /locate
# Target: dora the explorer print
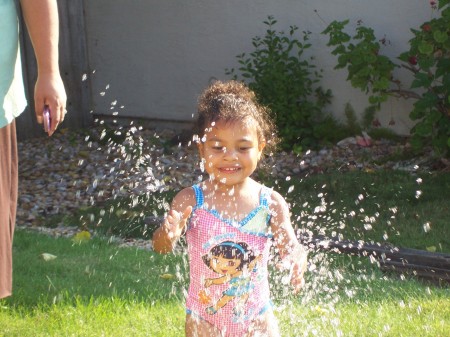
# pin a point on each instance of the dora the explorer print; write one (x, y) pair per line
(234, 263)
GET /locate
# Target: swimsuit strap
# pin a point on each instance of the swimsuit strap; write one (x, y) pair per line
(265, 196)
(199, 199)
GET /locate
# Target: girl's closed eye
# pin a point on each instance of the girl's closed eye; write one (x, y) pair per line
(217, 146)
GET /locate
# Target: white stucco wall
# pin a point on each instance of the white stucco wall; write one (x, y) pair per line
(154, 57)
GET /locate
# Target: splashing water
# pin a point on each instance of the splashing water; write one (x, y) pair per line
(134, 172)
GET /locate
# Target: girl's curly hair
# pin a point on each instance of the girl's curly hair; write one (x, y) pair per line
(233, 101)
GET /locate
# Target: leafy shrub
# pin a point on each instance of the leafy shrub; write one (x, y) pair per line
(429, 61)
(287, 83)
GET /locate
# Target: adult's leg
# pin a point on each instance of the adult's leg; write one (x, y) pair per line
(8, 204)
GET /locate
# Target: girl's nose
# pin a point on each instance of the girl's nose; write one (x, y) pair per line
(229, 154)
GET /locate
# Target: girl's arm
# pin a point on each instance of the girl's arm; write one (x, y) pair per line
(42, 21)
(292, 253)
(166, 236)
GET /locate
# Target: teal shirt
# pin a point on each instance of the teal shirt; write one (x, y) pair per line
(12, 94)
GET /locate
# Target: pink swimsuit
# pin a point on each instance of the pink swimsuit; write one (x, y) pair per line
(229, 302)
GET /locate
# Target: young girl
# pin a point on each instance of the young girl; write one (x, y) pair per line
(230, 221)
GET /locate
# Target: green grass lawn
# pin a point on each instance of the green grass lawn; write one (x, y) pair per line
(98, 289)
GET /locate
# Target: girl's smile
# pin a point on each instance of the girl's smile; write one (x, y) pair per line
(227, 170)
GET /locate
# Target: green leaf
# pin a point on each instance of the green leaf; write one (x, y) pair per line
(382, 84)
(415, 114)
(425, 48)
(421, 80)
(404, 56)
(423, 105)
(423, 129)
(442, 67)
(434, 116)
(426, 63)
(440, 36)
(374, 99)
(370, 58)
(443, 3)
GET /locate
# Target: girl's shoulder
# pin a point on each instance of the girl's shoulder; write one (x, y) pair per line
(276, 200)
(184, 198)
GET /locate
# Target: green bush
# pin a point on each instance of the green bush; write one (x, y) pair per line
(285, 81)
(428, 58)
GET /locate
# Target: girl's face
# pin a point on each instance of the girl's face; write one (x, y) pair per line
(224, 266)
(231, 151)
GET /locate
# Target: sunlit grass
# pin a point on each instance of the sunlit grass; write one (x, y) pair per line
(409, 317)
(385, 207)
(102, 317)
(98, 289)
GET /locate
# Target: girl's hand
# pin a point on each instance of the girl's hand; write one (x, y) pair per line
(175, 222)
(208, 282)
(296, 263)
(296, 275)
(165, 237)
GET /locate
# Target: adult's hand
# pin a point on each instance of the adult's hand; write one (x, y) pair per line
(49, 90)
(42, 20)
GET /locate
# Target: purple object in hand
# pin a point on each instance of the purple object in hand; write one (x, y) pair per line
(47, 119)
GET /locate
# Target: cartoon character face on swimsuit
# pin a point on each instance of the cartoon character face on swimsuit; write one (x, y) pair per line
(228, 257)
(224, 266)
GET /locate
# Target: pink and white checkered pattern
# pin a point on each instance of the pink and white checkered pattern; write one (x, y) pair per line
(206, 230)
